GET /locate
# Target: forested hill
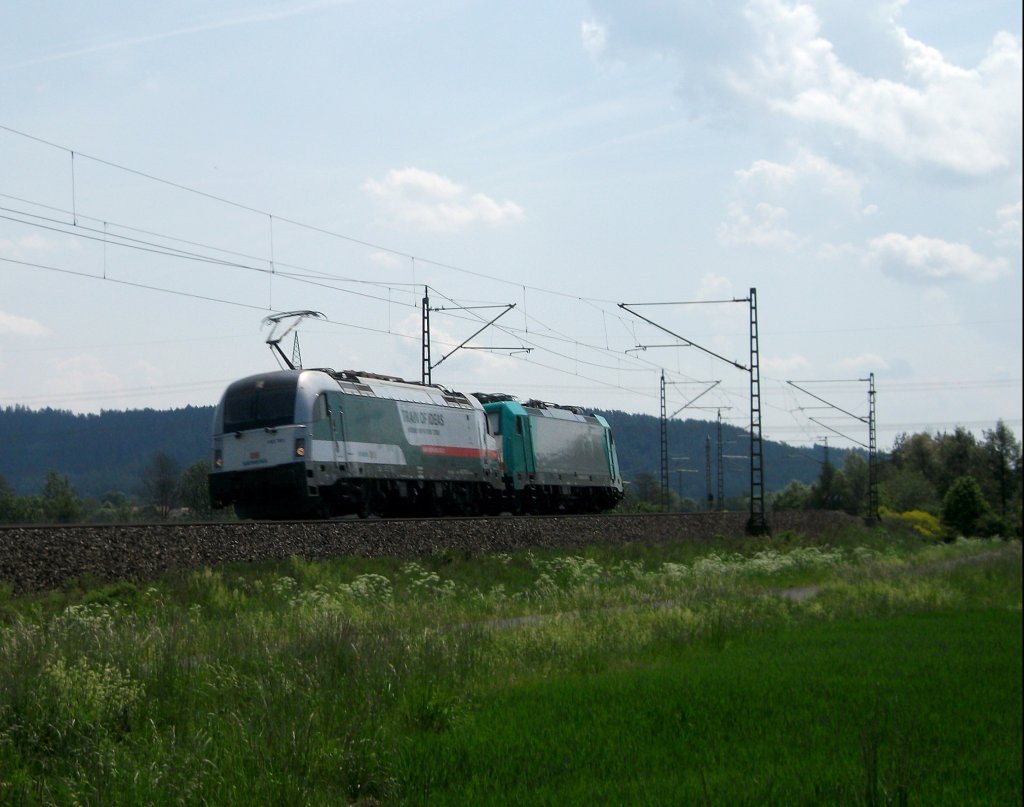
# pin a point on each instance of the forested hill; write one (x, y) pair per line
(108, 452)
(638, 443)
(98, 453)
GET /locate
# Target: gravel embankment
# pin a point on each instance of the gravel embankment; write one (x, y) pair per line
(46, 558)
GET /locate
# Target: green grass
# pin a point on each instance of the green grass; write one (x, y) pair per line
(633, 674)
(924, 707)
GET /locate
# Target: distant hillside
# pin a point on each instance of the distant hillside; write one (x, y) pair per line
(638, 442)
(98, 453)
(107, 452)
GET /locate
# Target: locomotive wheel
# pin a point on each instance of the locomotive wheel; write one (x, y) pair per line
(363, 509)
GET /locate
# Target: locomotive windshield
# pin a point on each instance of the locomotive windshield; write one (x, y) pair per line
(265, 402)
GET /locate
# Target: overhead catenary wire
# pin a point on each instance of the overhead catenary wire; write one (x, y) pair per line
(726, 391)
(599, 382)
(407, 255)
(304, 225)
(110, 238)
(161, 249)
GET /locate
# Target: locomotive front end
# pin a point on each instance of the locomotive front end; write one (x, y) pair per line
(260, 448)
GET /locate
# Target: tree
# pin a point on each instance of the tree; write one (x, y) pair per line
(829, 491)
(195, 489)
(958, 455)
(909, 489)
(688, 505)
(963, 505)
(647, 487)
(643, 493)
(160, 483)
(1003, 455)
(855, 474)
(792, 497)
(8, 502)
(114, 506)
(60, 504)
(916, 452)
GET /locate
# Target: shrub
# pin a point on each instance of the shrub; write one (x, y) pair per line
(963, 505)
(924, 524)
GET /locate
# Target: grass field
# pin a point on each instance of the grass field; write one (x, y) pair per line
(876, 670)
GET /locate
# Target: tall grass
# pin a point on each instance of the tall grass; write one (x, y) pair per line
(641, 675)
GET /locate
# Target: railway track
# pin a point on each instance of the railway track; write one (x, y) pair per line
(54, 556)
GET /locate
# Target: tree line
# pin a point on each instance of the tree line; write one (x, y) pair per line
(953, 480)
(165, 491)
(965, 485)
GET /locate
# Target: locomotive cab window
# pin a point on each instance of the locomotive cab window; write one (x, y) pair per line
(265, 403)
(494, 423)
(320, 410)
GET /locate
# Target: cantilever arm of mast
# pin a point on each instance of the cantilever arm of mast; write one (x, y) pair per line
(694, 400)
(476, 333)
(831, 405)
(686, 342)
(836, 431)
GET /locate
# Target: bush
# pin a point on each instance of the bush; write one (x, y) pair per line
(963, 505)
(992, 525)
(924, 524)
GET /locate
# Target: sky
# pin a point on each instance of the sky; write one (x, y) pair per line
(172, 174)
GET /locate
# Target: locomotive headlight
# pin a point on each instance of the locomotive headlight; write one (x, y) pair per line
(300, 446)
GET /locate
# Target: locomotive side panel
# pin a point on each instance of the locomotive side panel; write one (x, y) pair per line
(412, 440)
(554, 458)
(569, 451)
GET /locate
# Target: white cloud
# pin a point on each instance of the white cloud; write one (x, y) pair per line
(781, 203)
(761, 228)
(1008, 233)
(807, 169)
(84, 374)
(33, 243)
(715, 287)
(964, 120)
(919, 107)
(785, 365)
(835, 252)
(14, 325)
(595, 37)
(435, 203)
(918, 258)
(865, 362)
(386, 260)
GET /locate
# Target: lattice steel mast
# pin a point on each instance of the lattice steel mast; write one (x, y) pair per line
(872, 453)
(756, 524)
(710, 503)
(425, 353)
(719, 465)
(664, 446)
